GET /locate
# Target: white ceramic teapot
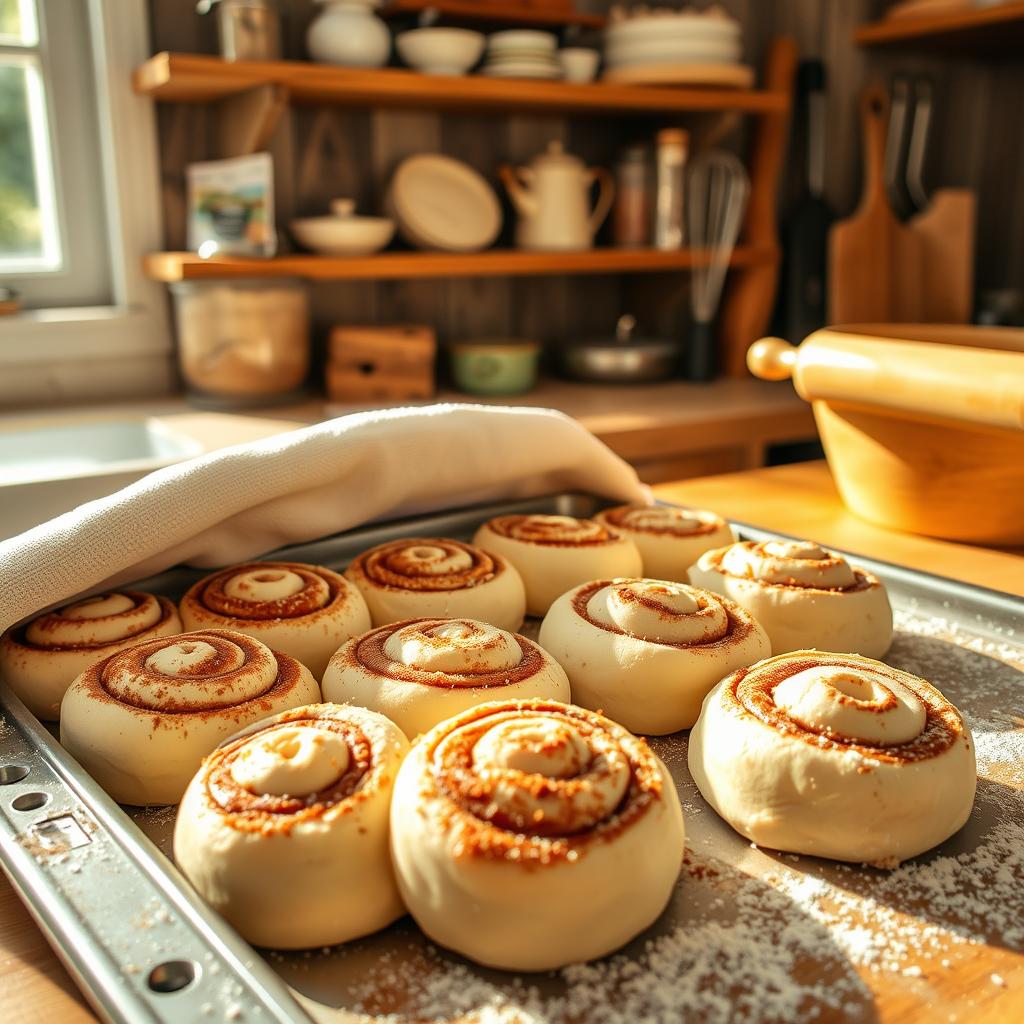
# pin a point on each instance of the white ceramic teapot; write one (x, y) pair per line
(552, 197)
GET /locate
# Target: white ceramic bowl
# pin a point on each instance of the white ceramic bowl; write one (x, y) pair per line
(441, 51)
(579, 64)
(343, 236)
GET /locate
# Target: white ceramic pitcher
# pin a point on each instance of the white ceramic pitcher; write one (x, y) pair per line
(552, 198)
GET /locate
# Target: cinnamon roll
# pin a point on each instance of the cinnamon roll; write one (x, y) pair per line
(306, 611)
(803, 595)
(141, 720)
(438, 578)
(834, 755)
(284, 829)
(670, 539)
(422, 671)
(646, 652)
(39, 659)
(527, 835)
(554, 553)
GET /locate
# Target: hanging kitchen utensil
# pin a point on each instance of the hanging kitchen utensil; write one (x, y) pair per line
(914, 178)
(875, 263)
(717, 190)
(945, 226)
(805, 237)
(897, 149)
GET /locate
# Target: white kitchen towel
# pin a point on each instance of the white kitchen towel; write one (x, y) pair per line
(244, 501)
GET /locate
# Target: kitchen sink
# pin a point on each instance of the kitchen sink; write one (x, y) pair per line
(48, 470)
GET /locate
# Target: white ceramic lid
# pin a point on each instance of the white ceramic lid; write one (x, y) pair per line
(443, 203)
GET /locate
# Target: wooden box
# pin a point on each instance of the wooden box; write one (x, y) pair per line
(391, 362)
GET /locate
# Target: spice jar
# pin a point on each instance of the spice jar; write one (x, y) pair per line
(670, 168)
(631, 216)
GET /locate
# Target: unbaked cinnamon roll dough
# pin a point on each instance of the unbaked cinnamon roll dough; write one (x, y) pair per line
(421, 671)
(554, 553)
(39, 660)
(834, 755)
(646, 652)
(433, 577)
(141, 720)
(305, 611)
(284, 829)
(527, 835)
(670, 539)
(803, 595)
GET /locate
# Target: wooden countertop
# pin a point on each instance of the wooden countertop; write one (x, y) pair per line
(798, 499)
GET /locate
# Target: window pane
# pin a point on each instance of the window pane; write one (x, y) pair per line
(18, 22)
(28, 233)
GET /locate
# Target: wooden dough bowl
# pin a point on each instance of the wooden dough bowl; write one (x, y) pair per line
(922, 424)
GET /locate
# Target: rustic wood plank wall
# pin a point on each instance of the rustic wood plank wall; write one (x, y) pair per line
(976, 142)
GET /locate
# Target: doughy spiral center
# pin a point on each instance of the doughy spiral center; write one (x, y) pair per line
(461, 646)
(427, 564)
(844, 703)
(291, 761)
(795, 563)
(103, 619)
(269, 590)
(857, 705)
(662, 519)
(534, 772)
(659, 611)
(191, 672)
(262, 585)
(556, 530)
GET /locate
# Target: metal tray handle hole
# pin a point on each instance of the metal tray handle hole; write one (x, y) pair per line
(11, 773)
(173, 976)
(30, 801)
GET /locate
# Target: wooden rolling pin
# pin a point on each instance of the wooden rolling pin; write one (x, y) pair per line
(972, 375)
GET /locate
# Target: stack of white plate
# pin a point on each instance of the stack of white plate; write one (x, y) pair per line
(683, 46)
(522, 53)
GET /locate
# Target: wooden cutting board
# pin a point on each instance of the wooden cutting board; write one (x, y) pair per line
(947, 230)
(876, 264)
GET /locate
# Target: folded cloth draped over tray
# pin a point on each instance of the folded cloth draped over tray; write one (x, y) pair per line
(242, 502)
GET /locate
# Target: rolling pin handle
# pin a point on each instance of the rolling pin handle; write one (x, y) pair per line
(771, 359)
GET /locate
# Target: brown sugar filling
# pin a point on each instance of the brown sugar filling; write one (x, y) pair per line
(210, 594)
(391, 565)
(753, 691)
(265, 813)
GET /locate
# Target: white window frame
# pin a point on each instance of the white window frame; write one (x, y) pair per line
(125, 348)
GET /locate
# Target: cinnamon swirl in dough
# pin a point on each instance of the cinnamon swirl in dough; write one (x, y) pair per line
(554, 553)
(803, 595)
(40, 660)
(527, 835)
(834, 755)
(141, 720)
(306, 611)
(438, 578)
(646, 652)
(422, 671)
(670, 539)
(284, 830)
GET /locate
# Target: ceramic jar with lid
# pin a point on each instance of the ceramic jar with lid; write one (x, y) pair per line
(349, 33)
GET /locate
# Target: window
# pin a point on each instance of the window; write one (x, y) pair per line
(53, 237)
(79, 203)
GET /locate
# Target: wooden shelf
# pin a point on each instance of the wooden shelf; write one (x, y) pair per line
(187, 266)
(196, 78)
(975, 30)
(509, 14)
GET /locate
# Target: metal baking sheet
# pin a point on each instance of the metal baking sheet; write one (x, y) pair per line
(750, 934)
